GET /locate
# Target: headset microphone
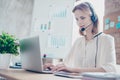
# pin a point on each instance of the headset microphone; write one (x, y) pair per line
(97, 34)
(84, 28)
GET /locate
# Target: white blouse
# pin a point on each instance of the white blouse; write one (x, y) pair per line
(98, 52)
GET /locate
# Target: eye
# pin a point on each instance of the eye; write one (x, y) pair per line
(82, 18)
(76, 19)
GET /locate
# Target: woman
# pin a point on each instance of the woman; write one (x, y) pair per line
(93, 52)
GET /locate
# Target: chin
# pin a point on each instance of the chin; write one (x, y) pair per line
(82, 33)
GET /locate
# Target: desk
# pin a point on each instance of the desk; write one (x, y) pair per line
(20, 74)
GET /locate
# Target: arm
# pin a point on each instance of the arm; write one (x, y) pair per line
(69, 60)
(62, 67)
(108, 58)
(81, 70)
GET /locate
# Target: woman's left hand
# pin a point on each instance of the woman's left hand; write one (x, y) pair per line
(61, 67)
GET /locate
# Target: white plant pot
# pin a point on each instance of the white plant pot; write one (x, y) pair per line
(5, 61)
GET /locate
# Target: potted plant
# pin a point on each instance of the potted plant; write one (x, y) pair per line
(8, 47)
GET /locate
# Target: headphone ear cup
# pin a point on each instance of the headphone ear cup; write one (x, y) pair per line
(93, 18)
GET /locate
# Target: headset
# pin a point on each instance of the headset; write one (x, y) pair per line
(96, 52)
(97, 41)
(94, 17)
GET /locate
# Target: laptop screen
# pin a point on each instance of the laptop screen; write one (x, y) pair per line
(31, 54)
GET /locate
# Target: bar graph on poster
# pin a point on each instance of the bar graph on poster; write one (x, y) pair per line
(56, 41)
(52, 20)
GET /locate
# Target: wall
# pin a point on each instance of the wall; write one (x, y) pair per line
(48, 17)
(53, 21)
(112, 23)
(15, 16)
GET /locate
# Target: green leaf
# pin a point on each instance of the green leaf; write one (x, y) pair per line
(8, 44)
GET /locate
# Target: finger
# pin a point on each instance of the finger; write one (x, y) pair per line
(62, 69)
(59, 66)
(47, 65)
(54, 68)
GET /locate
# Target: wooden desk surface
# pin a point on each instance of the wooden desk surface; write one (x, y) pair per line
(19, 74)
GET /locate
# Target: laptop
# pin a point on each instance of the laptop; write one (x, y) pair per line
(68, 74)
(31, 58)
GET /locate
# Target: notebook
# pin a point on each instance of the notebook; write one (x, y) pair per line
(31, 58)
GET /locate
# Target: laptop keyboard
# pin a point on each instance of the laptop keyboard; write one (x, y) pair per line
(67, 74)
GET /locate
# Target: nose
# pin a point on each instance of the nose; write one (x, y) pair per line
(78, 22)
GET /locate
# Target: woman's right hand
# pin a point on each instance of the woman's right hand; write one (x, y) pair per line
(48, 66)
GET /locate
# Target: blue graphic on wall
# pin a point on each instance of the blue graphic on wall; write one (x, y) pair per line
(118, 25)
(107, 20)
(44, 27)
(118, 18)
(112, 24)
(61, 13)
(106, 27)
(56, 41)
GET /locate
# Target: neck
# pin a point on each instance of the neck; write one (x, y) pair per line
(89, 36)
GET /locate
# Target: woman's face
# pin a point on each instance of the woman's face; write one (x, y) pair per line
(83, 18)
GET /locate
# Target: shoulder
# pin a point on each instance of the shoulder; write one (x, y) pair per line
(106, 38)
(79, 40)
